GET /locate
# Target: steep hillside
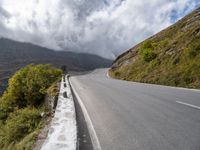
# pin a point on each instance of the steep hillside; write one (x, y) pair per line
(14, 55)
(171, 57)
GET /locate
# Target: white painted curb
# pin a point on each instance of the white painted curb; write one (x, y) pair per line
(93, 135)
(62, 134)
(107, 74)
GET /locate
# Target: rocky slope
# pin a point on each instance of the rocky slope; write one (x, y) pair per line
(171, 57)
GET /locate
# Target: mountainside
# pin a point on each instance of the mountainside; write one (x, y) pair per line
(14, 55)
(171, 57)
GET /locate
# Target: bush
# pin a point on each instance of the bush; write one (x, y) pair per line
(27, 142)
(3, 114)
(148, 55)
(164, 42)
(19, 116)
(117, 74)
(147, 51)
(19, 124)
(28, 86)
(194, 48)
(53, 89)
(147, 44)
(6, 105)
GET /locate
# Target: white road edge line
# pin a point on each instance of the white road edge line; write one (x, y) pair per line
(93, 135)
(190, 105)
(107, 74)
(180, 88)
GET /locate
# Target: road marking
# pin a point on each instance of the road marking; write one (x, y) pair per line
(93, 135)
(182, 88)
(107, 74)
(190, 105)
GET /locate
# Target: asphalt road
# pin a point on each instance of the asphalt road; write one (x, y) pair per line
(136, 116)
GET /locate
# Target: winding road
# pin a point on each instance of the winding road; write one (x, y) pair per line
(137, 116)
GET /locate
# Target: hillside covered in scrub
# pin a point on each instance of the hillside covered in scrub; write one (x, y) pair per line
(171, 57)
(22, 105)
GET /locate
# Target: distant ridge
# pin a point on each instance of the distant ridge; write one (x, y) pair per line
(14, 55)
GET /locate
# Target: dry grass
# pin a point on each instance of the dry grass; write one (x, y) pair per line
(171, 57)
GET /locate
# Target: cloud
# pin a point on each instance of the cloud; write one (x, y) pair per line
(106, 27)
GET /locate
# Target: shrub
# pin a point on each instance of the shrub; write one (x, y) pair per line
(27, 142)
(194, 48)
(28, 86)
(19, 116)
(147, 44)
(19, 124)
(6, 105)
(147, 51)
(52, 90)
(148, 55)
(153, 64)
(164, 42)
(117, 73)
(3, 114)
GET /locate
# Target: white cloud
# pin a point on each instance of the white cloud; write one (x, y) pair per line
(106, 27)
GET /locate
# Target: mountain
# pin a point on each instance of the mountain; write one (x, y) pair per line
(171, 57)
(14, 55)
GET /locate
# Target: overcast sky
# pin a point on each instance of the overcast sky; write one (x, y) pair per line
(103, 27)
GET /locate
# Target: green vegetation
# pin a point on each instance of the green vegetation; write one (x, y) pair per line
(194, 48)
(147, 51)
(171, 57)
(22, 103)
(52, 90)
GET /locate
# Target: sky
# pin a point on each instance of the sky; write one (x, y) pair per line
(103, 27)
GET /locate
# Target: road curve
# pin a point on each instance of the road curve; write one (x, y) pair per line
(136, 116)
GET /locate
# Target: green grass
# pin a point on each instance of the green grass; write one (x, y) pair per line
(171, 57)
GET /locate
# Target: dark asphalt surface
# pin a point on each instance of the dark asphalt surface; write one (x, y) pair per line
(136, 116)
(84, 140)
